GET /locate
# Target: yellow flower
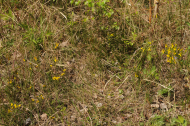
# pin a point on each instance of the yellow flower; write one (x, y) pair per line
(172, 45)
(24, 60)
(32, 99)
(169, 51)
(30, 68)
(56, 45)
(136, 75)
(35, 58)
(142, 49)
(55, 60)
(10, 82)
(11, 104)
(19, 105)
(179, 54)
(64, 70)
(9, 111)
(50, 65)
(149, 43)
(111, 35)
(15, 106)
(37, 101)
(52, 117)
(44, 85)
(36, 65)
(149, 49)
(62, 74)
(41, 96)
(166, 46)
(56, 78)
(163, 51)
(169, 60)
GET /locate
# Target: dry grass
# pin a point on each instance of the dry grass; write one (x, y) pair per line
(68, 64)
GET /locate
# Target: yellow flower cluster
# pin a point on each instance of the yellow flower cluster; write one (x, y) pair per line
(41, 96)
(63, 72)
(148, 49)
(142, 49)
(111, 35)
(172, 52)
(37, 101)
(57, 78)
(13, 106)
(56, 45)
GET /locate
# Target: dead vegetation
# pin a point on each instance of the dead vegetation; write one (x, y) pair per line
(94, 63)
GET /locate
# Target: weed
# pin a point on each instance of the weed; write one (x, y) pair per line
(94, 62)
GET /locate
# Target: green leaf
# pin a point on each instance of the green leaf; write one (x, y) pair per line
(181, 119)
(120, 91)
(188, 23)
(63, 109)
(71, 2)
(149, 57)
(189, 47)
(77, 3)
(11, 14)
(156, 76)
(176, 120)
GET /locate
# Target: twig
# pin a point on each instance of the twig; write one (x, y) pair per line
(123, 82)
(158, 84)
(181, 22)
(108, 81)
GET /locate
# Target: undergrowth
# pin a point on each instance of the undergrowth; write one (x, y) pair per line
(94, 62)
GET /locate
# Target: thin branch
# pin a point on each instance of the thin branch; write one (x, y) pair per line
(158, 84)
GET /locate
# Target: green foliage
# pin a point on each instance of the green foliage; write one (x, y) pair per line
(101, 43)
(157, 120)
(7, 16)
(151, 73)
(180, 120)
(163, 92)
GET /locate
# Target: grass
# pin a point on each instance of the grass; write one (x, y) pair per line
(94, 63)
